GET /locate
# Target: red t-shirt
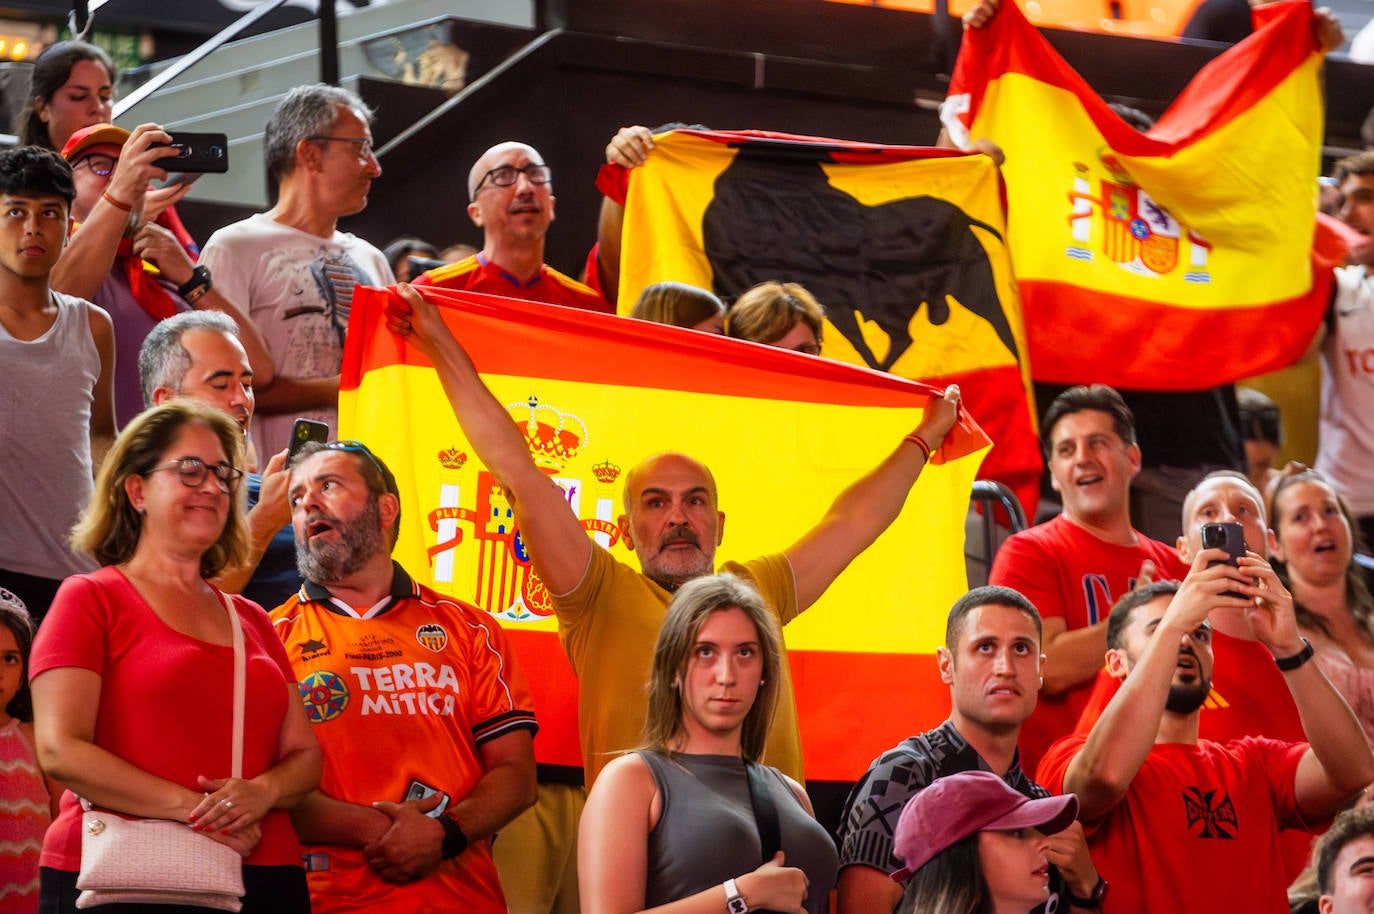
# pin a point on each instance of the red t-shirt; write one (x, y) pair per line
(1072, 575)
(166, 699)
(476, 274)
(1198, 829)
(1249, 698)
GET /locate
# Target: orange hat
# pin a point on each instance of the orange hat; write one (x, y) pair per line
(94, 135)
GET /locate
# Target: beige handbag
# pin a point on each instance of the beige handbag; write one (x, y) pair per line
(159, 861)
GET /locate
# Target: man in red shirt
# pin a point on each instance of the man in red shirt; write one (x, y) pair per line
(1074, 567)
(511, 190)
(1182, 824)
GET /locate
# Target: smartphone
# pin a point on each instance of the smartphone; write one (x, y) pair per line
(181, 177)
(418, 790)
(196, 152)
(1229, 536)
(303, 431)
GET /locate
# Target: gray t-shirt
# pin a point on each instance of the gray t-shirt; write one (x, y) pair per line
(46, 391)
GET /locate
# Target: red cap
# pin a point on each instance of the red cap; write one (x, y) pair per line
(958, 805)
(93, 135)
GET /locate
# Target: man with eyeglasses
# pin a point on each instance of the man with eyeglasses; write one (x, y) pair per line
(420, 708)
(291, 267)
(200, 356)
(511, 194)
(128, 256)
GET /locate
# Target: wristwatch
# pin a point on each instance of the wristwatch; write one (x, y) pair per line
(734, 901)
(195, 287)
(1093, 902)
(455, 841)
(1288, 664)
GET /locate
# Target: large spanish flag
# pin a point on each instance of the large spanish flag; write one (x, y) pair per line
(783, 433)
(904, 246)
(1175, 259)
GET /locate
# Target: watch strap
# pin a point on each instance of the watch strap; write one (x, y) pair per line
(455, 840)
(1288, 664)
(734, 901)
(199, 283)
(1093, 902)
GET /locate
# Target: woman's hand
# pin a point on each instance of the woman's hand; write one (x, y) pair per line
(160, 247)
(243, 840)
(230, 804)
(135, 168)
(774, 887)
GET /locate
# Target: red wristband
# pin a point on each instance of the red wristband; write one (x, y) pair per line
(105, 195)
(920, 443)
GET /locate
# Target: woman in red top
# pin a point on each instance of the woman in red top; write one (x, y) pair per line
(132, 671)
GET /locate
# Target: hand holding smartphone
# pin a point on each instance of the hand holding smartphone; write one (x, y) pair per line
(302, 432)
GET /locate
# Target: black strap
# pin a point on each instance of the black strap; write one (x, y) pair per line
(765, 813)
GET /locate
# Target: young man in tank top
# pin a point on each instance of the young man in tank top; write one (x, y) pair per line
(56, 400)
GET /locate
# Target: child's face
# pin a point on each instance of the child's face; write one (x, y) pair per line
(11, 669)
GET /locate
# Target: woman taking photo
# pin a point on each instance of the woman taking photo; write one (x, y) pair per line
(973, 845)
(1315, 544)
(133, 669)
(676, 826)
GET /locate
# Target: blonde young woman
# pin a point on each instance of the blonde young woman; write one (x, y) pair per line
(672, 826)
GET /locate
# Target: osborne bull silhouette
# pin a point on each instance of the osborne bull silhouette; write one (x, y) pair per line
(774, 215)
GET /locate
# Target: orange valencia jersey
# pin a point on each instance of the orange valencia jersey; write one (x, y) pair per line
(401, 697)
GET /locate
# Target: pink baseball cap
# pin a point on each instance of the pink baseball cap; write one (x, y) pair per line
(958, 805)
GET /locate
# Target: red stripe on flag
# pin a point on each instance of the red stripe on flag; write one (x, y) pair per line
(1064, 322)
(855, 706)
(553, 686)
(1221, 91)
(549, 341)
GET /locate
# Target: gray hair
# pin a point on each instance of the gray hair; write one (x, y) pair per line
(162, 359)
(306, 111)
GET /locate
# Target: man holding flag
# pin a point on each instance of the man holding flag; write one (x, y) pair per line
(671, 519)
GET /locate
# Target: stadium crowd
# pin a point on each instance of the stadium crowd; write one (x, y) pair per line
(1136, 724)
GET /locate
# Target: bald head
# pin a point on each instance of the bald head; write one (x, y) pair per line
(1224, 496)
(671, 520)
(498, 155)
(648, 469)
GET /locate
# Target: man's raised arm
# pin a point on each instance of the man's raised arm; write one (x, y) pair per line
(866, 508)
(559, 547)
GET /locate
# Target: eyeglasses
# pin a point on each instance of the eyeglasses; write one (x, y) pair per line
(506, 175)
(192, 471)
(357, 447)
(100, 165)
(364, 145)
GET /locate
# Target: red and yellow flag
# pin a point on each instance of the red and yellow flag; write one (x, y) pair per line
(783, 434)
(904, 247)
(1175, 259)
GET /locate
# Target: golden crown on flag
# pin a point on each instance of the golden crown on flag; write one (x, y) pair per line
(452, 458)
(606, 472)
(551, 441)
